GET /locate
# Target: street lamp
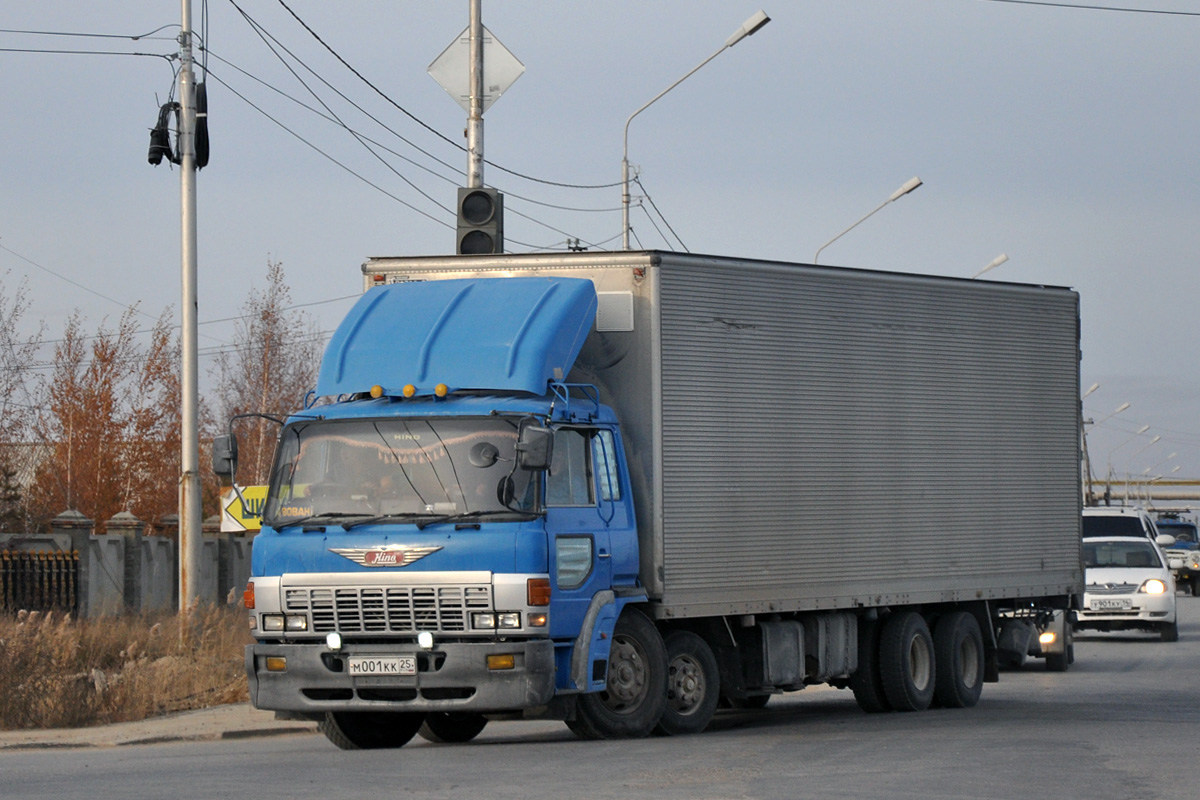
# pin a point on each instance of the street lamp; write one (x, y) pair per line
(909, 185)
(995, 262)
(748, 27)
(1139, 432)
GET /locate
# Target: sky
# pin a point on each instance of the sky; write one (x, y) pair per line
(1062, 137)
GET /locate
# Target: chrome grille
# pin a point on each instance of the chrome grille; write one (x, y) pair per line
(1111, 588)
(388, 609)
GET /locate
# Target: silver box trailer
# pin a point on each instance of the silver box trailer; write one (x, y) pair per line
(808, 438)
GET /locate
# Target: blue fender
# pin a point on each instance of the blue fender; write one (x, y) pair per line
(589, 657)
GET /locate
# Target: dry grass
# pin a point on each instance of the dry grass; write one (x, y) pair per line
(57, 672)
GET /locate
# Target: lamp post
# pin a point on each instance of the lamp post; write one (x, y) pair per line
(995, 262)
(909, 185)
(1139, 432)
(748, 27)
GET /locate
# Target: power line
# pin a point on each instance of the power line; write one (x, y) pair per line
(638, 181)
(135, 37)
(262, 34)
(425, 125)
(1083, 7)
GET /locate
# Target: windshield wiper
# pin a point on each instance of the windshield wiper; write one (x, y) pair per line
(293, 522)
(444, 518)
(375, 518)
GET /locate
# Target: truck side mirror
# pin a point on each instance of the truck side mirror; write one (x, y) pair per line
(224, 455)
(535, 447)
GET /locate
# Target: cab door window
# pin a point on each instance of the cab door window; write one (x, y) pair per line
(570, 480)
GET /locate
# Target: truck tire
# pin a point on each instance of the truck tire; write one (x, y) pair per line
(866, 682)
(1169, 632)
(693, 685)
(906, 662)
(1059, 662)
(958, 655)
(632, 702)
(452, 727)
(370, 730)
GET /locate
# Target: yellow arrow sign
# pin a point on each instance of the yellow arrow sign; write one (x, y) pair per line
(236, 517)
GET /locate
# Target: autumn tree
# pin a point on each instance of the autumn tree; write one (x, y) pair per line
(111, 423)
(18, 389)
(268, 368)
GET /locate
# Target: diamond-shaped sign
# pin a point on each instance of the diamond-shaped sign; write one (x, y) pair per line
(452, 69)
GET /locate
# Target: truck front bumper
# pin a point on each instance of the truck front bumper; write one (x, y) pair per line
(451, 677)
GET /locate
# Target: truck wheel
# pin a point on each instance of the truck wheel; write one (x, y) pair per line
(866, 682)
(370, 730)
(633, 700)
(451, 727)
(693, 685)
(906, 662)
(1169, 632)
(958, 655)
(1059, 662)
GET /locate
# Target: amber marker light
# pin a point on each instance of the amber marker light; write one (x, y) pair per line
(441, 390)
(507, 661)
(377, 391)
(409, 390)
(537, 591)
(248, 596)
(276, 664)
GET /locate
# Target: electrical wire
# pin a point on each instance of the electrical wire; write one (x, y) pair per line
(1083, 7)
(262, 34)
(373, 185)
(425, 125)
(638, 180)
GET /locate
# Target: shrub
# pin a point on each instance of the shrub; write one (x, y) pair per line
(59, 672)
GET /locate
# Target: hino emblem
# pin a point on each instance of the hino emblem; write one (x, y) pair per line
(392, 555)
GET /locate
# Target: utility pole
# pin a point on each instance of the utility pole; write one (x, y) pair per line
(190, 520)
(475, 115)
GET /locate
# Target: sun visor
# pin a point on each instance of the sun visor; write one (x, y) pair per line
(503, 334)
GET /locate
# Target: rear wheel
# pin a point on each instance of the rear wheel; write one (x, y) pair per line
(906, 662)
(958, 654)
(866, 682)
(370, 730)
(636, 692)
(452, 727)
(693, 684)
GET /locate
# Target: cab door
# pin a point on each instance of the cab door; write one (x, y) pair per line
(580, 556)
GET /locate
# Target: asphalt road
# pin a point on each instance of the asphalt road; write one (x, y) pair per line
(1124, 722)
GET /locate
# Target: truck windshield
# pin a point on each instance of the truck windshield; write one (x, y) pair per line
(396, 470)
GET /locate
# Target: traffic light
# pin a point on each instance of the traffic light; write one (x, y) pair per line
(480, 222)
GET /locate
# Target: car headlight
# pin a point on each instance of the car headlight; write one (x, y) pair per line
(1153, 586)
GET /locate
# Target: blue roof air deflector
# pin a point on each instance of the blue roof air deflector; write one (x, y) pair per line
(502, 334)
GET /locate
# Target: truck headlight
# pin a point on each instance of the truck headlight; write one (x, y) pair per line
(296, 622)
(484, 621)
(508, 619)
(272, 622)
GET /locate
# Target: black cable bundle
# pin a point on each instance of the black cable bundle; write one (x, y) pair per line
(201, 126)
(160, 136)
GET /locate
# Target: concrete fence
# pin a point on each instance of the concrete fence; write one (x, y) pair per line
(133, 568)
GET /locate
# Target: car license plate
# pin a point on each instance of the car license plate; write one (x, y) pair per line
(1111, 604)
(382, 667)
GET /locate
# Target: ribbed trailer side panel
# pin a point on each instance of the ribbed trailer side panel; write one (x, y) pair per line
(814, 438)
(833, 438)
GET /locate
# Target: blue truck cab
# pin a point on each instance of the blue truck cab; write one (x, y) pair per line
(449, 528)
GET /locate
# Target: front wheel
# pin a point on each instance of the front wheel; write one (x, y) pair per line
(370, 730)
(693, 685)
(633, 699)
(1169, 632)
(452, 727)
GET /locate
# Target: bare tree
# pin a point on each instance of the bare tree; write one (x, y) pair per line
(18, 388)
(269, 369)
